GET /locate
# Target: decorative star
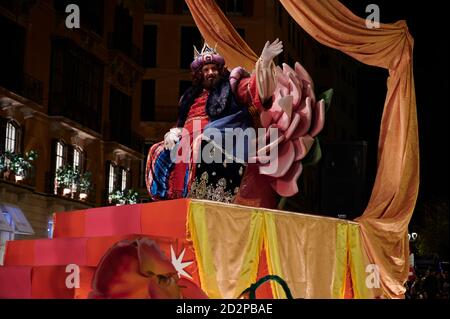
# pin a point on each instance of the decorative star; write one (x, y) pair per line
(178, 263)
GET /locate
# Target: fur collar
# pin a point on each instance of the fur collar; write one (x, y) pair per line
(219, 104)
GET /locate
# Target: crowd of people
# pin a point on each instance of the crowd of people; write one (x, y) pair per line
(428, 284)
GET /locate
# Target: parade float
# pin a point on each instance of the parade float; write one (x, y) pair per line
(199, 248)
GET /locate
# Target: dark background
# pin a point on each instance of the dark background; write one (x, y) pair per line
(428, 25)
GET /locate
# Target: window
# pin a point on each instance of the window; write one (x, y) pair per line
(190, 36)
(9, 136)
(12, 55)
(235, 7)
(76, 158)
(76, 88)
(77, 162)
(60, 150)
(10, 142)
(111, 178)
(120, 106)
(64, 154)
(148, 100)
(182, 87)
(118, 178)
(155, 6)
(180, 7)
(124, 180)
(122, 38)
(60, 161)
(150, 44)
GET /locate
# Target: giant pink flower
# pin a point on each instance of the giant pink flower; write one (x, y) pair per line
(299, 117)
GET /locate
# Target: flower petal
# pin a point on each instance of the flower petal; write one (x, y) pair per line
(190, 290)
(287, 185)
(162, 287)
(152, 259)
(118, 276)
(282, 163)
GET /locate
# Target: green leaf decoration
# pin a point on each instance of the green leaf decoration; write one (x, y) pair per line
(127, 196)
(314, 155)
(251, 291)
(327, 97)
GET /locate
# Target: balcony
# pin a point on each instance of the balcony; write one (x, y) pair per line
(72, 196)
(76, 86)
(26, 86)
(116, 42)
(75, 110)
(129, 139)
(18, 7)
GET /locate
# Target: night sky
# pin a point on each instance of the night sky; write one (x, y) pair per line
(427, 24)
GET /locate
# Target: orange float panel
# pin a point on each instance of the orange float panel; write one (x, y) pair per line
(19, 253)
(54, 282)
(113, 221)
(69, 224)
(165, 218)
(15, 282)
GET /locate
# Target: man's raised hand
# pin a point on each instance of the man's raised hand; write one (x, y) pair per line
(270, 51)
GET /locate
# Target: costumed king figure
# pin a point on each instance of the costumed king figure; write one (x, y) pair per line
(217, 99)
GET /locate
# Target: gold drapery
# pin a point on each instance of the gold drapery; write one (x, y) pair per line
(384, 222)
(217, 29)
(311, 253)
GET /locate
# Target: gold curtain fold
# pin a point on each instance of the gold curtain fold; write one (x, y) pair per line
(227, 244)
(384, 222)
(308, 252)
(217, 29)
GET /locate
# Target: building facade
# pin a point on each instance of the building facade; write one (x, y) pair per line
(73, 96)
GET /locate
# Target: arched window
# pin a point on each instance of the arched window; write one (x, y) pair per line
(112, 177)
(64, 154)
(10, 136)
(78, 158)
(124, 181)
(60, 154)
(60, 149)
(10, 142)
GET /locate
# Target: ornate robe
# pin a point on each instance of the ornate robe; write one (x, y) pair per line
(224, 106)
